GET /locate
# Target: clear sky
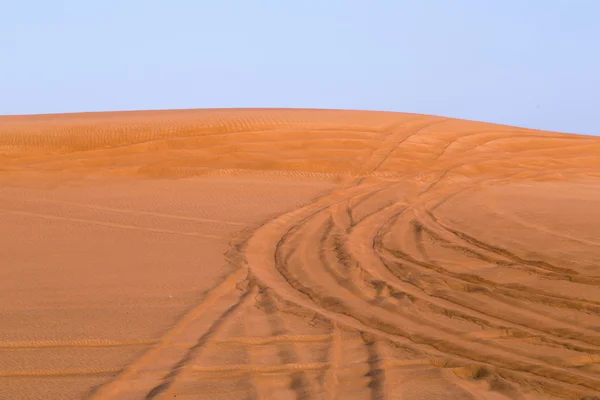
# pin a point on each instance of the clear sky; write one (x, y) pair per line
(533, 63)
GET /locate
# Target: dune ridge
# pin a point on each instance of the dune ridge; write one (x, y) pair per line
(344, 254)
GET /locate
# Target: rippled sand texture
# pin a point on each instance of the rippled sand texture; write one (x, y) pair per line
(296, 254)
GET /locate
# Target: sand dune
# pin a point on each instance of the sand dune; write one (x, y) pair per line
(279, 254)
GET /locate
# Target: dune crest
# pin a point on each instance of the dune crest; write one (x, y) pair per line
(297, 254)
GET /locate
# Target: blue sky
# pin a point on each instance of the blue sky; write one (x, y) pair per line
(533, 63)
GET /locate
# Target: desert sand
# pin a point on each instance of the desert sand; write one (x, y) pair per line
(296, 254)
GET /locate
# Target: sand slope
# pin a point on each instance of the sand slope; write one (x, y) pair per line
(296, 254)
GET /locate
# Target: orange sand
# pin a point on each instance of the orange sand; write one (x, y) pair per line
(296, 254)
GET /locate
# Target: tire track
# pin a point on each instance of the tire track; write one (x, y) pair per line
(447, 305)
(500, 258)
(110, 224)
(138, 213)
(454, 312)
(335, 355)
(471, 283)
(399, 143)
(300, 382)
(339, 308)
(376, 371)
(169, 379)
(165, 357)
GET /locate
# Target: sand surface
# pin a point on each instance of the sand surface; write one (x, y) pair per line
(296, 254)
